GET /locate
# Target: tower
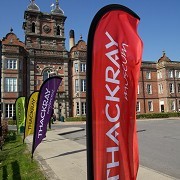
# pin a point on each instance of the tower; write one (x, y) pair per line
(45, 43)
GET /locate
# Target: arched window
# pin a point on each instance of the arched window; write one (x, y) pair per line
(58, 30)
(33, 27)
(46, 74)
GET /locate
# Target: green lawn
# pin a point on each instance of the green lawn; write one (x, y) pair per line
(15, 161)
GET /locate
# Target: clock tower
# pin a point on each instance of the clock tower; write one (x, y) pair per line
(47, 55)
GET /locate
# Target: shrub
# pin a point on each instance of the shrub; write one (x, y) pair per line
(4, 128)
(82, 118)
(11, 122)
(11, 136)
(174, 114)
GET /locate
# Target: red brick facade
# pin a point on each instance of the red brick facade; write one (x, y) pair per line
(158, 86)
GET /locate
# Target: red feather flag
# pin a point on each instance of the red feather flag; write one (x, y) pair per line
(113, 67)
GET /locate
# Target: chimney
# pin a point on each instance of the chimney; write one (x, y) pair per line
(71, 39)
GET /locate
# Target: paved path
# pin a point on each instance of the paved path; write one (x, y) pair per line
(64, 159)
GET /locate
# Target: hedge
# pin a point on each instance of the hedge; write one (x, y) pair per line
(82, 118)
(139, 116)
(158, 115)
(11, 122)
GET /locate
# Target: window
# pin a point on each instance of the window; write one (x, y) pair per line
(138, 106)
(138, 89)
(160, 88)
(170, 73)
(149, 89)
(148, 75)
(11, 64)
(83, 67)
(33, 27)
(10, 84)
(76, 85)
(9, 110)
(158, 76)
(76, 67)
(177, 74)
(46, 74)
(171, 88)
(150, 105)
(77, 108)
(83, 85)
(83, 106)
(172, 105)
(58, 30)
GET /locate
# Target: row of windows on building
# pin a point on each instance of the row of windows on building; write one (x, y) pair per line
(150, 106)
(12, 64)
(47, 29)
(11, 83)
(172, 105)
(81, 108)
(11, 86)
(160, 88)
(171, 74)
(10, 109)
(82, 67)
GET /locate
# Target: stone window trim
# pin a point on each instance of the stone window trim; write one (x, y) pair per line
(138, 106)
(149, 88)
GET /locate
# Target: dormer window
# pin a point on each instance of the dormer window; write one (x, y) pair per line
(33, 27)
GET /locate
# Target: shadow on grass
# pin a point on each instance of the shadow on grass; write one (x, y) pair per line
(6, 149)
(16, 171)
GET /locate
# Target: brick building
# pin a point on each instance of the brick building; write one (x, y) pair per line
(13, 81)
(25, 65)
(159, 86)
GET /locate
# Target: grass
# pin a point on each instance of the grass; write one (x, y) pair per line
(15, 160)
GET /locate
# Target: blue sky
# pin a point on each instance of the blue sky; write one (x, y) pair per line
(159, 27)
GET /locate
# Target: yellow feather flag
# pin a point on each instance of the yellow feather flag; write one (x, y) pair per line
(31, 114)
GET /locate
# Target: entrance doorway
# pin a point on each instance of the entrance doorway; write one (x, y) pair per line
(162, 108)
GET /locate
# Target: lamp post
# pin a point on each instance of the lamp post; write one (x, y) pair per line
(1, 136)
